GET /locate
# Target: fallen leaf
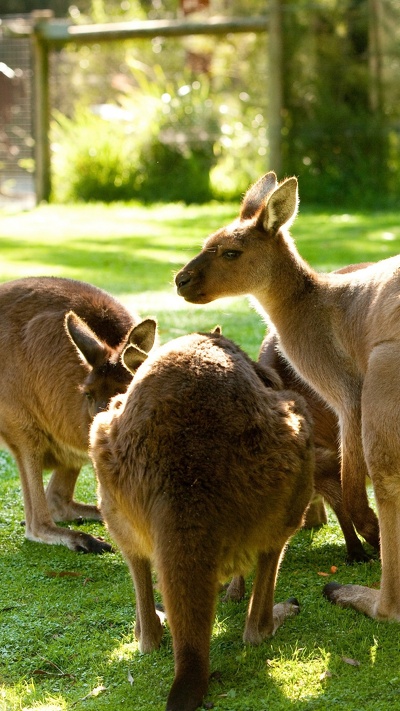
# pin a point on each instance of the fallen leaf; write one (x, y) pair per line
(325, 575)
(130, 678)
(334, 569)
(325, 675)
(94, 692)
(352, 662)
(97, 690)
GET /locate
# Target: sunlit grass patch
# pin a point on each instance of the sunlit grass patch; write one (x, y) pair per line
(301, 677)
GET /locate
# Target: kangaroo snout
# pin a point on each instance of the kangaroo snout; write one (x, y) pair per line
(183, 279)
(190, 285)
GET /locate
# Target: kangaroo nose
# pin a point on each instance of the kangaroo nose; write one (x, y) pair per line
(183, 278)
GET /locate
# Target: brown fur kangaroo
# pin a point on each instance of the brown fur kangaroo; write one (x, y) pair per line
(204, 470)
(326, 437)
(49, 394)
(341, 333)
(327, 483)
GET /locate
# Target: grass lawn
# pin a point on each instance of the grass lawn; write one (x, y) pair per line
(66, 619)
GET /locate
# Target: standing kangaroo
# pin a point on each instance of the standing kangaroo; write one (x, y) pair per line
(60, 346)
(341, 333)
(326, 437)
(204, 470)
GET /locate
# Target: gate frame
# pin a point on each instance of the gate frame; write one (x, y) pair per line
(47, 33)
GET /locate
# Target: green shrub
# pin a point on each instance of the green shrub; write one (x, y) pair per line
(93, 159)
(163, 153)
(170, 175)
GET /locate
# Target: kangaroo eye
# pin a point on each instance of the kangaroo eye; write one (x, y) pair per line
(231, 254)
(89, 396)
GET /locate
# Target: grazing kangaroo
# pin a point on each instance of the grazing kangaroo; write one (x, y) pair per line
(49, 394)
(341, 333)
(203, 471)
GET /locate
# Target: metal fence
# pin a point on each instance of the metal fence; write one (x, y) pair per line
(16, 121)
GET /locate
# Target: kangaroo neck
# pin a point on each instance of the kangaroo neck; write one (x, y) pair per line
(303, 307)
(292, 287)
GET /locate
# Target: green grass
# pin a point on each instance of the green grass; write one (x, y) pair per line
(66, 620)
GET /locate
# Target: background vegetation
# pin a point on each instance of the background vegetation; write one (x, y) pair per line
(196, 108)
(66, 620)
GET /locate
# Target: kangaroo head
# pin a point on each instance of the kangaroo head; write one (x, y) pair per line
(107, 376)
(236, 259)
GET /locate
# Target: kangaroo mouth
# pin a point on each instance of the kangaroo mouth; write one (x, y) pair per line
(193, 297)
(190, 289)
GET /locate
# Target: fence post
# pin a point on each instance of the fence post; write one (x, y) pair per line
(41, 105)
(275, 93)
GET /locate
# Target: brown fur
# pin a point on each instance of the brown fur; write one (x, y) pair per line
(49, 393)
(204, 470)
(327, 459)
(341, 333)
(326, 437)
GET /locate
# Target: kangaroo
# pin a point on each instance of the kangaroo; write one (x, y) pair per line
(60, 345)
(340, 332)
(326, 436)
(204, 469)
(327, 459)
(327, 483)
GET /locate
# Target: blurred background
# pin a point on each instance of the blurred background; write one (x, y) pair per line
(188, 118)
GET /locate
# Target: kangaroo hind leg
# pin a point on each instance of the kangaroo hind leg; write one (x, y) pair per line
(381, 443)
(264, 618)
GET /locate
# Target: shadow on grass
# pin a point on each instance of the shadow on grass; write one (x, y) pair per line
(67, 628)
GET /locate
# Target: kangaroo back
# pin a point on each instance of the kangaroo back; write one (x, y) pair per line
(204, 471)
(60, 347)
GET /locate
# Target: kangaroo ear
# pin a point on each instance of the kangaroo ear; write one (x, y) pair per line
(217, 330)
(256, 194)
(133, 357)
(89, 348)
(281, 206)
(268, 376)
(143, 335)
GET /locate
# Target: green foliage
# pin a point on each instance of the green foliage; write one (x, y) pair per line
(177, 132)
(176, 151)
(93, 159)
(340, 131)
(170, 175)
(156, 147)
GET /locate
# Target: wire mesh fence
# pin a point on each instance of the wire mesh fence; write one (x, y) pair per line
(16, 121)
(16, 125)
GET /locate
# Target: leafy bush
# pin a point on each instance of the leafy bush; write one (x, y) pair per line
(341, 131)
(93, 159)
(163, 139)
(156, 146)
(170, 175)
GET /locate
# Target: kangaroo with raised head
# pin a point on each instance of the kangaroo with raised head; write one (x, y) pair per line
(341, 333)
(326, 437)
(60, 345)
(204, 470)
